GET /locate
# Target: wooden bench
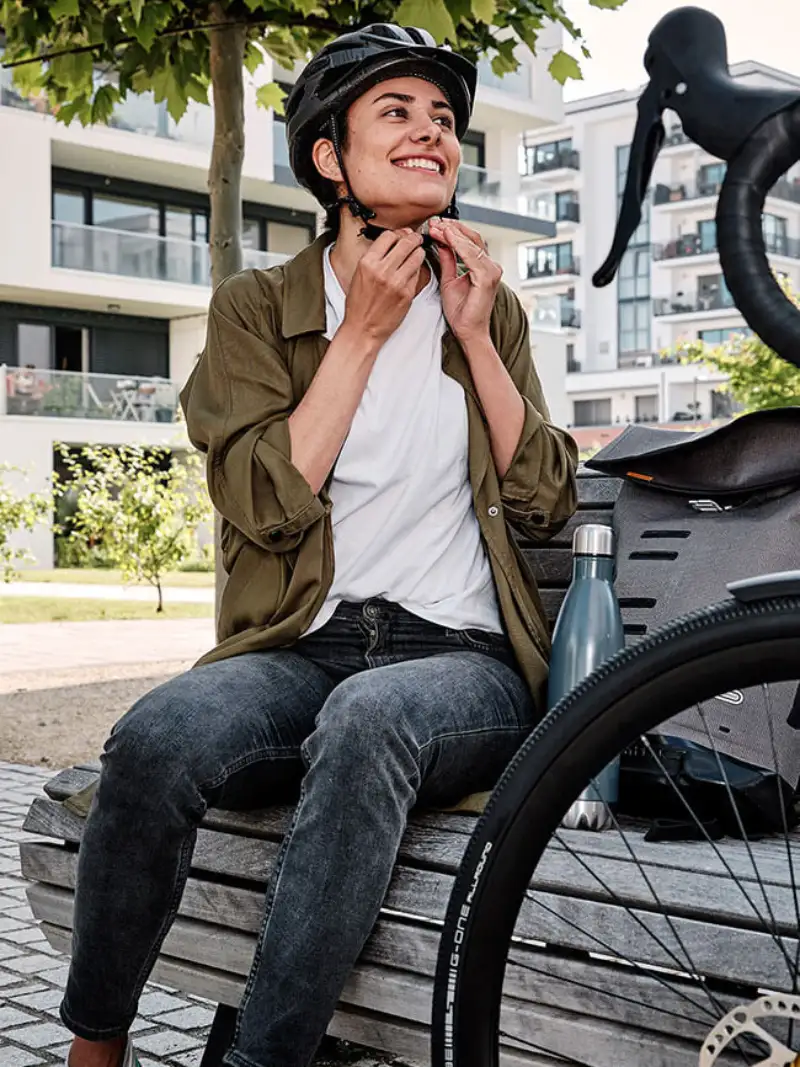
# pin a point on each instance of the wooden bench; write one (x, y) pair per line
(386, 1003)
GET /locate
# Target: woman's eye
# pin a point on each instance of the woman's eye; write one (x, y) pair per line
(445, 121)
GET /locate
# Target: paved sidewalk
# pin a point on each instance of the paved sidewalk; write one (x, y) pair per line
(171, 1029)
(173, 594)
(63, 646)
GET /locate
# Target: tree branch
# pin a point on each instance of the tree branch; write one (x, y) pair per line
(311, 22)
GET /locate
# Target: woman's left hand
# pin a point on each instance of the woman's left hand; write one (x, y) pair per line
(467, 299)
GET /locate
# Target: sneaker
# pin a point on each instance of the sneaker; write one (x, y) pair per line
(129, 1058)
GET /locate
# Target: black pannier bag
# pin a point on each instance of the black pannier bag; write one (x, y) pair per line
(697, 511)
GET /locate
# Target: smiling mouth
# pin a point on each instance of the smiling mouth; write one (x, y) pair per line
(426, 166)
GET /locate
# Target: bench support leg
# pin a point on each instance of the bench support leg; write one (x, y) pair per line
(221, 1036)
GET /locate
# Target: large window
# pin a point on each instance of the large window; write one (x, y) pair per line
(634, 311)
(544, 260)
(712, 292)
(721, 337)
(774, 229)
(707, 231)
(710, 179)
(646, 408)
(116, 213)
(592, 412)
(550, 156)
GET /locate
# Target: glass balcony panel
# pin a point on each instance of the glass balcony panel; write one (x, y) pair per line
(66, 394)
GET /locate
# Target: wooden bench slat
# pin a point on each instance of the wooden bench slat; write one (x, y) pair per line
(724, 951)
(594, 862)
(388, 991)
(631, 998)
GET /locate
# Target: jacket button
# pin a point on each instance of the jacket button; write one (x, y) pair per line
(275, 535)
(494, 511)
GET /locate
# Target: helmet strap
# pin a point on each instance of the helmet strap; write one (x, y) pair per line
(357, 209)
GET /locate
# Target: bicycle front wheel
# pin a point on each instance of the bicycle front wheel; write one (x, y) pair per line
(513, 969)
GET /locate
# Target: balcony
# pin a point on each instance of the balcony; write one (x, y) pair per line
(66, 394)
(785, 189)
(135, 114)
(696, 244)
(554, 207)
(676, 137)
(719, 301)
(497, 198)
(554, 313)
(545, 271)
(142, 255)
(562, 159)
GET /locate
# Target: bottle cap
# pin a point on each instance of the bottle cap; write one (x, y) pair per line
(593, 539)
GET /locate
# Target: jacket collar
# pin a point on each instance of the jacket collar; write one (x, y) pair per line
(304, 289)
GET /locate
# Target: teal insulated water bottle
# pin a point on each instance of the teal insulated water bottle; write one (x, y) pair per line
(588, 631)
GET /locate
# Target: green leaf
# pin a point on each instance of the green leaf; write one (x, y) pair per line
(253, 57)
(430, 15)
(485, 10)
(103, 104)
(64, 9)
(167, 87)
(563, 67)
(136, 8)
(196, 90)
(610, 5)
(271, 95)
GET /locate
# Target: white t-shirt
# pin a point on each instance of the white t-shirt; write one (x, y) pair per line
(404, 525)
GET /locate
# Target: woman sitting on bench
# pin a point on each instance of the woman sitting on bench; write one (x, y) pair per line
(373, 420)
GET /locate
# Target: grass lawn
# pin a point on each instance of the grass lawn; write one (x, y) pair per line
(86, 576)
(59, 609)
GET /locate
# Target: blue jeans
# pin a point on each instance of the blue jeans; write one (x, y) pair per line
(375, 712)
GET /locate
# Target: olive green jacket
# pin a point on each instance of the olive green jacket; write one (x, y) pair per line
(264, 344)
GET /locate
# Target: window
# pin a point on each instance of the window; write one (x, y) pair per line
(473, 154)
(592, 412)
(646, 408)
(712, 292)
(634, 274)
(641, 235)
(774, 229)
(550, 259)
(69, 206)
(707, 231)
(720, 337)
(634, 326)
(550, 156)
(710, 179)
(116, 213)
(567, 207)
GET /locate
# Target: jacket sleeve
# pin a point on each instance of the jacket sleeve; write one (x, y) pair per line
(237, 403)
(539, 489)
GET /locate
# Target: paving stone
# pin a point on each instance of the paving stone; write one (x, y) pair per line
(33, 963)
(165, 1042)
(158, 1002)
(7, 979)
(17, 1057)
(58, 976)
(47, 998)
(8, 951)
(139, 1025)
(25, 936)
(18, 911)
(187, 1018)
(191, 1059)
(28, 987)
(13, 1017)
(39, 1035)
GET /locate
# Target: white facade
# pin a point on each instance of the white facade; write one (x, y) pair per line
(670, 286)
(104, 269)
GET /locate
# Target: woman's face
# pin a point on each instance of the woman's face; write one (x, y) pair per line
(402, 154)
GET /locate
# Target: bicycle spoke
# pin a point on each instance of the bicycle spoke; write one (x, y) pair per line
(559, 1056)
(776, 937)
(632, 963)
(616, 899)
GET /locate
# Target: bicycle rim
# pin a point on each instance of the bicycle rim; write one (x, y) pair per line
(509, 925)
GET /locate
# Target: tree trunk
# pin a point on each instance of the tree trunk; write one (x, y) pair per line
(225, 179)
(227, 153)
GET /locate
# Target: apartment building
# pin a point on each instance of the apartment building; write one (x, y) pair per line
(104, 261)
(670, 286)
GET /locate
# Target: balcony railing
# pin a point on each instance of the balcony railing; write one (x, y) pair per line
(565, 159)
(555, 313)
(142, 255)
(547, 206)
(695, 244)
(495, 190)
(684, 306)
(66, 394)
(785, 189)
(539, 271)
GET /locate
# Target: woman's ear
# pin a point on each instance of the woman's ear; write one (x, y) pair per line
(324, 156)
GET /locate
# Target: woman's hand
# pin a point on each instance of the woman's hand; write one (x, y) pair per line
(467, 299)
(384, 284)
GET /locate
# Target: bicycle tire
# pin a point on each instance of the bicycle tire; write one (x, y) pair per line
(731, 645)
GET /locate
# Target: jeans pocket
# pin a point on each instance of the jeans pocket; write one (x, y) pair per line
(483, 641)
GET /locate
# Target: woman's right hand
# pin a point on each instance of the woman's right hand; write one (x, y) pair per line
(384, 284)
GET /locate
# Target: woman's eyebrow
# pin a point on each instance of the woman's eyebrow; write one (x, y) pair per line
(405, 98)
